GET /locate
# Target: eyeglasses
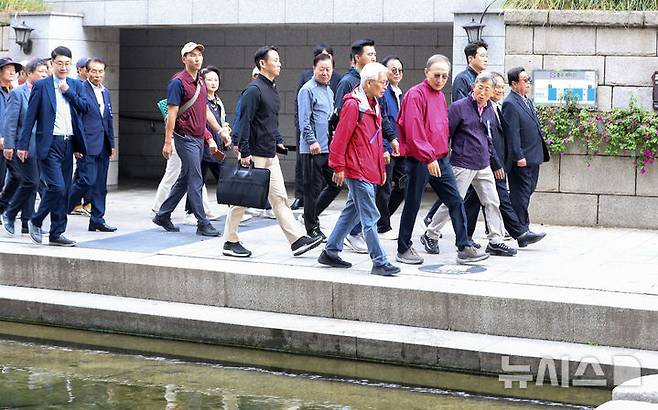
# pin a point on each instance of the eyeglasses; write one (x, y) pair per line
(526, 80)
(397, 71)
(441, 76)
(382, 82)
(62, 63)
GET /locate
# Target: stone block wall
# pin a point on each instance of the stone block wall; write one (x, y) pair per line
(577, 189)
(621, 46)
(150, 56)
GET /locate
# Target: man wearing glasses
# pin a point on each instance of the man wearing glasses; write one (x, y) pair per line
(423, 135)
(527, 147)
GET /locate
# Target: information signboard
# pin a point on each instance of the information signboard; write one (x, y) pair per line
(550, 87)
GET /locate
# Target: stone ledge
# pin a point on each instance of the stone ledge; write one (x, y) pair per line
(643, 389)
(596, 18)
(526, 17)
(651, 18)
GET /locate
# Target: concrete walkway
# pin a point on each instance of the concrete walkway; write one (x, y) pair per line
(623, 261)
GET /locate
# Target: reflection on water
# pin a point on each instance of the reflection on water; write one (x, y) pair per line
(36, 376)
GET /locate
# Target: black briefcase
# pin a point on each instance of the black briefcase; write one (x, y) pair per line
(243, 186)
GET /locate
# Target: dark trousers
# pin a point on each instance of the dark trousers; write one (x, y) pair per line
(522, 183)
(190, 181)
(3, 171)
(56, 172)
(92, 181)
(215, 169)
(25, 195)
(76, 176)
(445, 187)
(317, 174)
(511, 221)
(12, 180)
(299, 171)
(391, 194)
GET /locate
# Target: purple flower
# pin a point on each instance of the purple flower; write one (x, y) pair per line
(643, 171)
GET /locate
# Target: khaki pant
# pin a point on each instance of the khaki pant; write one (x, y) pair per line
(278, 198)
(485, 186)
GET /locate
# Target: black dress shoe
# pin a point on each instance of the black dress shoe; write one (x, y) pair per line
(206, 230)
(297, 204)
(61, 240)
(101, 228)
(529, 238)
(333, 261)
(165, 223)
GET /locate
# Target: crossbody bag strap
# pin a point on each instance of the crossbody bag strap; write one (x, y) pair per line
(191, 101)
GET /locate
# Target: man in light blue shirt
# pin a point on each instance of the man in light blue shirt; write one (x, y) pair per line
(315, 103)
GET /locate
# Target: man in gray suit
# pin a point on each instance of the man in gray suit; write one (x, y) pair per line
(22, 174)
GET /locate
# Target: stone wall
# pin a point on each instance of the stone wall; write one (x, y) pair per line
(150, 56)
(578, 189)
(620, 46)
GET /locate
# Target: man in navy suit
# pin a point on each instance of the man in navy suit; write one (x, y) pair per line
(527, 147)
(24, 174)
(55, 106)
(99, 139)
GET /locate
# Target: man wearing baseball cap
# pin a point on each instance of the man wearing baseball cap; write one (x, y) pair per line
(185, 128)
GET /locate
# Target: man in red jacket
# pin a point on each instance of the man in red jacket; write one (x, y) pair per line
(423, 137)
(356, 155)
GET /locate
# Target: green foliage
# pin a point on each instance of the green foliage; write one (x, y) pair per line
(22, 5)
(621, 131)
(611, 5)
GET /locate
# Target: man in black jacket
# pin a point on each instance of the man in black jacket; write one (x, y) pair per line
(258, 139)
(298, 202)
(499, 164)
(527, 147)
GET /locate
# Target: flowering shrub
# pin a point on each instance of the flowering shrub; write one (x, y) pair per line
(629, 130)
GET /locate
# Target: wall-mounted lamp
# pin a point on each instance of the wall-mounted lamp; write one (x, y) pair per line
(474, 29)
(23, 32)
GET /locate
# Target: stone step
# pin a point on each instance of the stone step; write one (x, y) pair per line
(563, 314)
(517, 362)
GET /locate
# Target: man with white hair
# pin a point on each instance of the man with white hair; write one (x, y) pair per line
(356, 155)
(423, 133)
(471, 120)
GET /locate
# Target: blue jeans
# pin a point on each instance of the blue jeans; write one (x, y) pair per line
(361, 207)
(445, 187)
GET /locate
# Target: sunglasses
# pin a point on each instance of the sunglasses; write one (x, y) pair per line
(526, 80)
(397, 71)
(441, 76)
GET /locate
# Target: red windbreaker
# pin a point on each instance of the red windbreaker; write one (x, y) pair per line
(357, 146)
(423, 131)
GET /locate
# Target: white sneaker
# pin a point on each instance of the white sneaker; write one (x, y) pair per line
(391, 235)
(253, 211)
(267, 213)
(212, 216)
(356, 243)
(190, 219)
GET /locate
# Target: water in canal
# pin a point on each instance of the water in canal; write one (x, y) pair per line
(41, 376)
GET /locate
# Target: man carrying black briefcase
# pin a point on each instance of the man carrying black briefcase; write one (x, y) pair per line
(258, 141)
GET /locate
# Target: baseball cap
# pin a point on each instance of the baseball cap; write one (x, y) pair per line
(82, 62)
(191, 46)
(8, 61)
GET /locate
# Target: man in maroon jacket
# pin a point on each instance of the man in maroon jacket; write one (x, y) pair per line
(423, 138)
(356, 155)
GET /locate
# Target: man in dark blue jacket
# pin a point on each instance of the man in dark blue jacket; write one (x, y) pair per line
(99, 137)
(56, 105)
(527, 147)
(391, 194)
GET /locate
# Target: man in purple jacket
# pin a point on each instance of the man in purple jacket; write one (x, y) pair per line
(470, 120)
